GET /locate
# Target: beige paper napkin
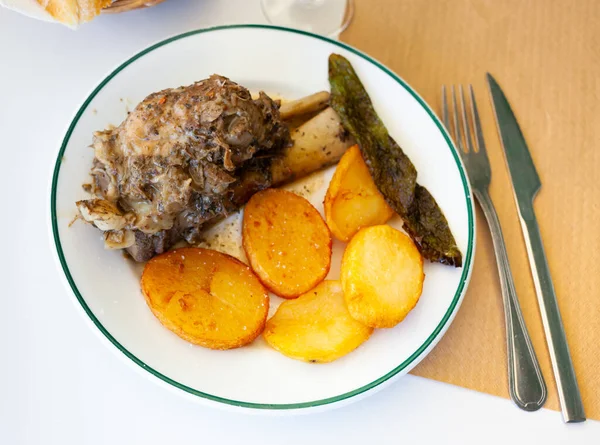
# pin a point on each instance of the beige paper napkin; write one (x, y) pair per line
(546, 56)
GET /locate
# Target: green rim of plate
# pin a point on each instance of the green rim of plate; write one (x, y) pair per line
(267, 406)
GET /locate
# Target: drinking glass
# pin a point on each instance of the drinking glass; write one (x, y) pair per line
(325, 17)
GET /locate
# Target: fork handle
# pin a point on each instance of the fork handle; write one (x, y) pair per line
(525, 381)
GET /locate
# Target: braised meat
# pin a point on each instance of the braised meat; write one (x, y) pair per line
(179, 160)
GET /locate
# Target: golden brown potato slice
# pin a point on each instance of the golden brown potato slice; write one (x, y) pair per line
(206, 297)
(316, 327)
(353, 200)
(382, 276)
(286, 241)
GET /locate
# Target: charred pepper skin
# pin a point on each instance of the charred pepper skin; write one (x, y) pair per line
(393, 172)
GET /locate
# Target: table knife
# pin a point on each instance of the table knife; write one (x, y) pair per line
(526, 183)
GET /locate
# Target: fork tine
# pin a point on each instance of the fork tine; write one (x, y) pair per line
(480, 143)
(458, 136)
(466, 126)
(445, 118)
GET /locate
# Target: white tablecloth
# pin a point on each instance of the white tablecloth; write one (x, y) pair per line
(59, 383)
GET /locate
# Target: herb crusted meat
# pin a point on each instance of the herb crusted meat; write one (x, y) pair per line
(182, 157)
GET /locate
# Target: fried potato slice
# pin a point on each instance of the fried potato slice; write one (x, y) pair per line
(352, 200)
(382, 276)
(316, 327)
(286, 241)
(206, 297)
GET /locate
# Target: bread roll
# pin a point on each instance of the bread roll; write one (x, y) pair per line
(74, 12)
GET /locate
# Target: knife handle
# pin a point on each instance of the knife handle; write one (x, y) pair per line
(525, 381)
(564, 373)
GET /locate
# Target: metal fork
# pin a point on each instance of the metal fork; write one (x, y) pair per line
(526, 383)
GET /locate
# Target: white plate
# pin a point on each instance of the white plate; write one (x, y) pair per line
(290, 64)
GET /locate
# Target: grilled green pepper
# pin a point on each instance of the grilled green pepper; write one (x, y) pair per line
(393, 172)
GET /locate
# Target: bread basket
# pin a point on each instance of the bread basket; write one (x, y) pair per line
(129, 5)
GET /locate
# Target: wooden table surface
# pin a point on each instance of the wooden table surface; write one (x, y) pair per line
(546, 56)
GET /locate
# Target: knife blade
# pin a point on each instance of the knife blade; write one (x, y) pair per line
(526, 183)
